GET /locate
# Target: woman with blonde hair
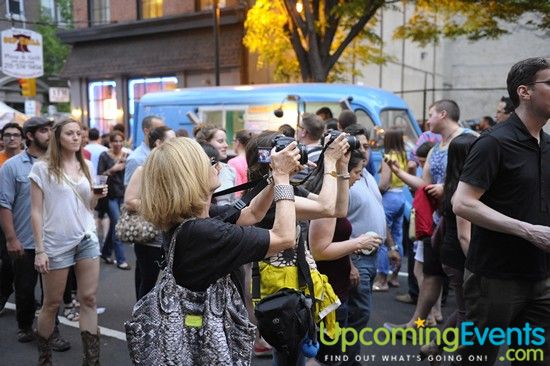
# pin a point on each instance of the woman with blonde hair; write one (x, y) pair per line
(177, 185)
(148, 255)
(64, 232)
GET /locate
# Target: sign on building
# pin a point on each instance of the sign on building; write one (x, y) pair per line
(32, 108)
(22, 53)
(59, 95)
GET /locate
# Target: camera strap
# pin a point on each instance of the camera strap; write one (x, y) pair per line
(317, 168)
(255, 187)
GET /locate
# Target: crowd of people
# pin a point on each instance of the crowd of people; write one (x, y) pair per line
(480, 221)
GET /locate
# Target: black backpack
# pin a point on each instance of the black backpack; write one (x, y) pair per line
(286, 318)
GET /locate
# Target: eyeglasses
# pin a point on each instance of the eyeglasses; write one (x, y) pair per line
(12, 135)
(547, 82)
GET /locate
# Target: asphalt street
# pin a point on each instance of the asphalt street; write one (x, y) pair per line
(116, 296)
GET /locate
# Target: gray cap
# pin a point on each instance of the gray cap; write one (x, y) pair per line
(34, 123)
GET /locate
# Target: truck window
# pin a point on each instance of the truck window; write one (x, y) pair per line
(364, 119)
(397, 118)
(231, 119)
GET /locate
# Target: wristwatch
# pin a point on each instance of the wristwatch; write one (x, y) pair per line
(332, 173)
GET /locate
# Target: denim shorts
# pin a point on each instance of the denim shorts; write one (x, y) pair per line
(87, 248)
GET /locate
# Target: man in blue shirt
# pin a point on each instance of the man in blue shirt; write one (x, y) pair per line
(140, 154)
(365, 213)
(15, 219)
(136, 159)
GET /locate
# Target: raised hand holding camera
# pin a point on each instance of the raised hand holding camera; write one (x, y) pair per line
(286, 161)
(337, 146)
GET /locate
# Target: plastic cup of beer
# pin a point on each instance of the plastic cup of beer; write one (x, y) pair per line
(100, 183)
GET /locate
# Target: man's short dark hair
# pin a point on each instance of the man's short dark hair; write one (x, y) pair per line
(325, 111)
(287, 130)
(146, 122)
(346, 118)
(331, 124)
(423, 150)
(11, 125)
(523, 73)
(449, 106)
(313, 125)
(356, 129)
(93, 134)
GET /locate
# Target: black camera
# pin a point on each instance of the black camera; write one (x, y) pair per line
(353, 142)
(279, 142)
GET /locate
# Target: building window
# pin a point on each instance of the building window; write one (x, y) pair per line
(48, 8)
(15, 9)
(103, 109)
(139, 87)
(150, 9)
(99, 12)
(209, 4)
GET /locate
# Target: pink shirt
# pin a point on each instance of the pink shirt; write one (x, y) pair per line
(241, 167)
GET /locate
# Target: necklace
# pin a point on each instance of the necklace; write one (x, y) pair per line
(450, 138)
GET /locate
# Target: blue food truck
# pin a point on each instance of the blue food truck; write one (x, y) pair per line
(252, 107)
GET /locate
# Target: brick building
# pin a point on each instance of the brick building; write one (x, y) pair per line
(125, 48)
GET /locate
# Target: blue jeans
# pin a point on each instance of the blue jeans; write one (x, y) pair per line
(111, 241)
(359, 303)
(394, 207)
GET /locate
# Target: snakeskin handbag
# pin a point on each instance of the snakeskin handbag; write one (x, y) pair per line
(132, 228)
(172, 325)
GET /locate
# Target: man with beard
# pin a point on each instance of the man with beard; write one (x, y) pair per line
(15, 219)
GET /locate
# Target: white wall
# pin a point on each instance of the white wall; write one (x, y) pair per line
(458, 64)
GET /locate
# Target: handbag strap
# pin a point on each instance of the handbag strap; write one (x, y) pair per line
(70, 184)
(172, 247)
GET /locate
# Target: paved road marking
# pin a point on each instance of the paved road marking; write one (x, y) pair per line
(104, 331)
(115, 333)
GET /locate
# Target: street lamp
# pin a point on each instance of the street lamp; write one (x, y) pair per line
(216, 15)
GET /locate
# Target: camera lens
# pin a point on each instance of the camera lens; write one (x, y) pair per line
(354, 143)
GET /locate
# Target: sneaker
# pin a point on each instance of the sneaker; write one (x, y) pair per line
(59, 344)
(405, 298)
(25, 335)
(124, 266)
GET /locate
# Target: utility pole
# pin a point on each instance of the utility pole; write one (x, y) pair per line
(216, 14)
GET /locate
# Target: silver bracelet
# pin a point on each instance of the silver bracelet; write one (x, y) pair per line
(283, 192)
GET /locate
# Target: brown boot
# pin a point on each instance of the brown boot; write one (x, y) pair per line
(44, 350)
(90, 344)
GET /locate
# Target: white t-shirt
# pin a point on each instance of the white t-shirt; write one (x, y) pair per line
(66, 219)
(95, 150)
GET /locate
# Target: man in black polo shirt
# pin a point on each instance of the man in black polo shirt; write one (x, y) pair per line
(505, 193)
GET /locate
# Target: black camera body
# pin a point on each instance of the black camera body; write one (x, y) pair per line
(279, 142)
(353, 141)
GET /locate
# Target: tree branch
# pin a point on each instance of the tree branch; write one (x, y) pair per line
(333, 22)
(370, 11)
